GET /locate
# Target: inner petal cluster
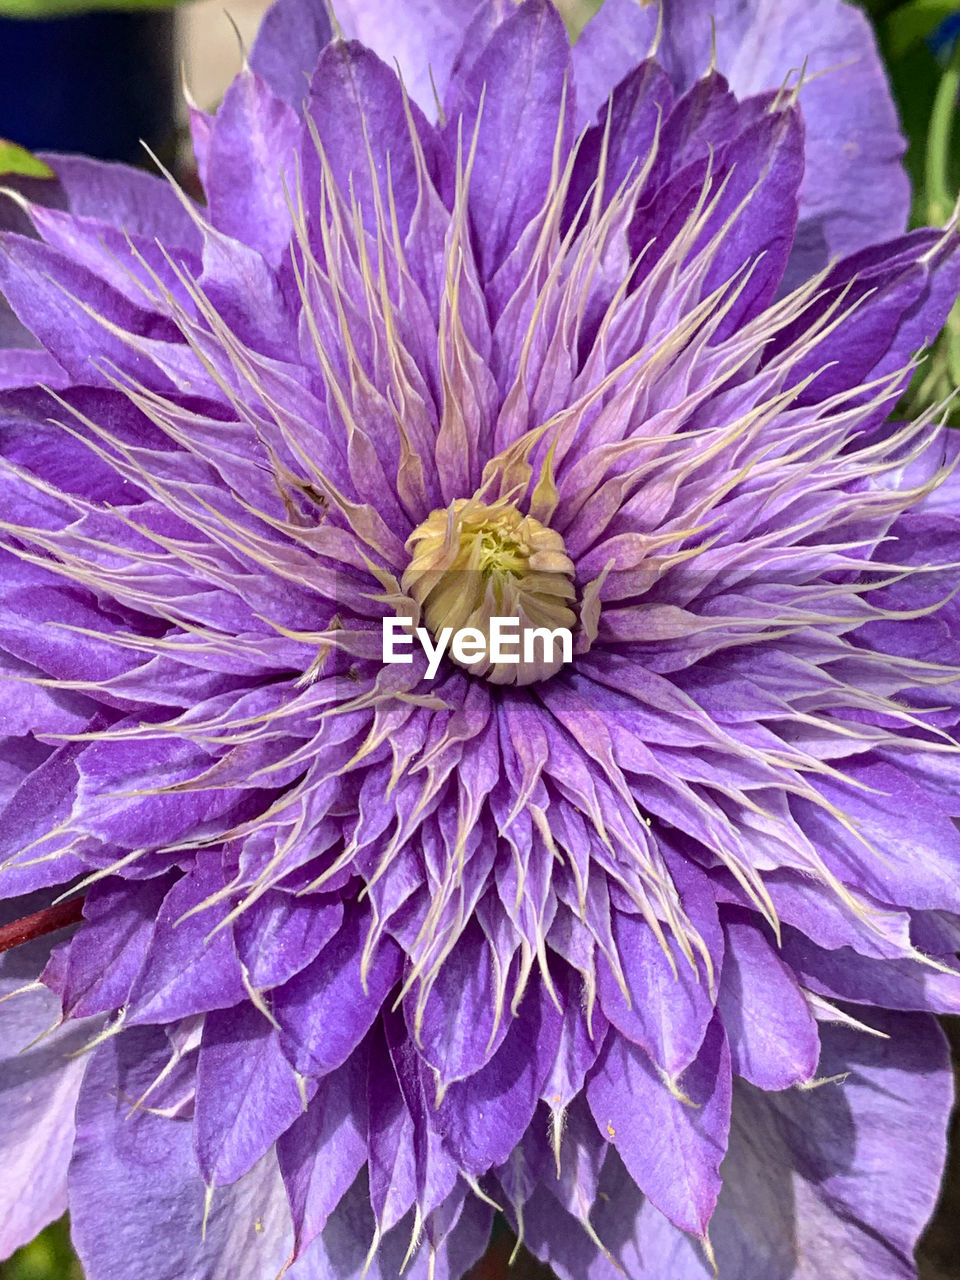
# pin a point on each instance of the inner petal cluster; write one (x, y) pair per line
(474, 562)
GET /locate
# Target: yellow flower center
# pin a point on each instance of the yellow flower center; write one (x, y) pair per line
(475, 562)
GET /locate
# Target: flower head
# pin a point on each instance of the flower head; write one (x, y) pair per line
(364, 952)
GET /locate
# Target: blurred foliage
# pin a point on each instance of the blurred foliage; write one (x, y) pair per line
(909, 24)
(49, 1257)
(920, 40)
(62, 8)
(921, 44)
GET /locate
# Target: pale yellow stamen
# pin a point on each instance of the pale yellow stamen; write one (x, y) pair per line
(473, 562)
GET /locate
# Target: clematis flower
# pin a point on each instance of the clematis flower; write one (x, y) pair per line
(643, 946)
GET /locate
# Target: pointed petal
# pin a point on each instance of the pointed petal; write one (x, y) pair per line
(106, 955)
(484, 1117)
(325, 1010)
(142, 203)
(247, 1094)
(253, 142)
(670, 1000)
(839, 1180)
(773, 1036)
(290, 40)
(321, 1154)
(136, 1196)
(423, 36)
(186, 970)
(672, 1148)
(39, 1083)
(356, 102)
(853, 144)
(511, 174)
(281, 933)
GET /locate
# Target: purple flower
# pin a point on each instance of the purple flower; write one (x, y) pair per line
(363, 953)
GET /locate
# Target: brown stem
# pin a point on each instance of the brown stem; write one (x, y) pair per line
(49, 919)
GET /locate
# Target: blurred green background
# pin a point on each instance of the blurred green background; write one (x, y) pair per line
(49, 1257)
(920, 40)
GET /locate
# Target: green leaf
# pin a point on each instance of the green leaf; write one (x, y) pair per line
(15, 159)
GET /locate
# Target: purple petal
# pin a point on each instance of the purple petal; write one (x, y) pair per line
(321, 1154)
(520, 76)
(41, 284)
(919, 847)
(105, 956)
(639, 105)
(672, 1148)
(28, 368)
(581, 1040)
(853, 145)
(290, 40)
(767, 166)
(460, 1030)
(136, 1196)
(134, 265)
(839, 1180)
(391, 1167)
(435, 1169)
(670, 1002)
(891, 984)
(138, 202)
(281, 933)
(611, 45)
(42, 801)
(571, 1168)
(39, 1083)
(26, 707)
(252, 146)
(326, 1010)
(902, 292)
(853, 142)
(357, 105)
(484, 1117)
(773, 1036)
(188, 967)
(247, 1094)
(423, 36)
(342, 1252)
(131, 792)
(639, 1241)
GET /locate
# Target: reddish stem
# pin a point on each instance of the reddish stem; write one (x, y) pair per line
(496, 1265)
(49, 919)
